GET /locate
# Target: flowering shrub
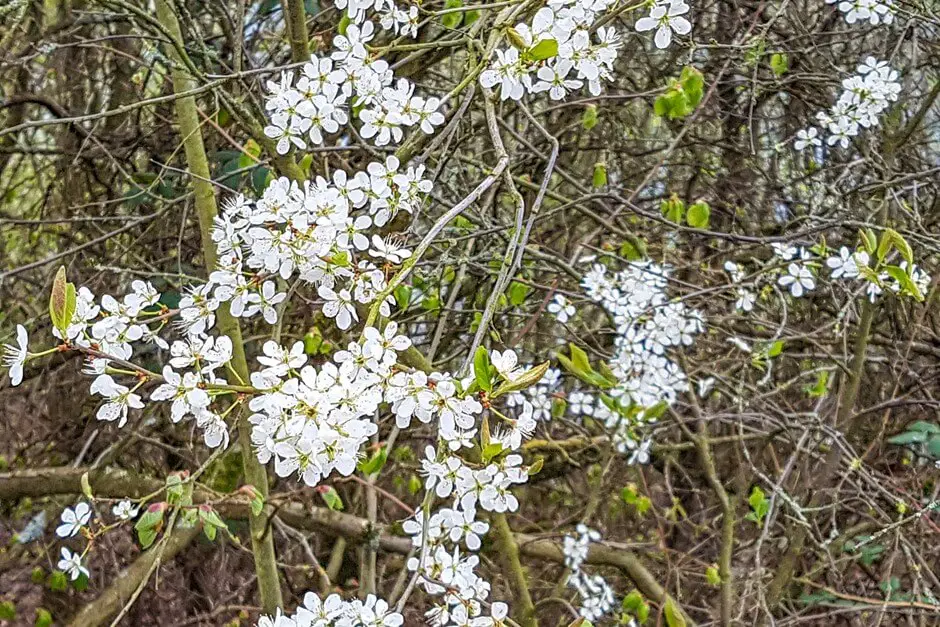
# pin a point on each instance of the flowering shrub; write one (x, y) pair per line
(478, 290)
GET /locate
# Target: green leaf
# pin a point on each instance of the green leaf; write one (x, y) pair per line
(821, 387)
(211, 531)
(43, 617)
(344, 23)
(680, 99)
(868, 239)
(673, 614)
(57, 581)
(374, 464)
(306, 164)
(491, 450)
(70, 302)
(779, 63)
(673, 209)
(600, 175)
(452, 20)
(698, 215)
(178, 491)
(313, 340)
(210, 516)
(518, 292)
(759, 506)
(905, 281)
(146, 537)
(545, 49)
(673, 104)
(692, 83)
(579, 358)
(898, 241)
(909, 437)
(579, 366)
(7, 610)
(251, 154)
(257, 499)
(536, 466)
(933, 447)
(516, 39)
(711, 574)
(403, 296)
(924, 427)
(260, 177)
(632, 602)
(633, 250)
(332, 499)
(86, 487)
(524, 381)
(655, 412)
(414, 484)
(884, 247)
(589, 118)
(482, 371)
(59, 302)
(149, 524)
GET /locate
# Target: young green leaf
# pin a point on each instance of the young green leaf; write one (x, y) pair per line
(545, 49)
(374, 464)
(711, 574)
(589, 118)
(452, 20)
(779, 63)
(524, 381)
(673, 614)
(699, 214)
(58, 302)
(482, 370)
(332, 499)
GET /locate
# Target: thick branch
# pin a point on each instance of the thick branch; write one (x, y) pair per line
(262, 543)
(112, 483)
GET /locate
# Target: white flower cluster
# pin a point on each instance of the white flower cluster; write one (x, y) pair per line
(567, 24)
(856, 265)
(316, 104)
(872, 11)
(561, 308)
(335, 612)
(799, 276)
(744, 297)
(581, 404)
(443, 569)
(666, 17)
(312, 422)
(597, 597)
(864, 97)
(317, 231)
(14, 357)
(648, 325)
(110, 329)
(77, 519)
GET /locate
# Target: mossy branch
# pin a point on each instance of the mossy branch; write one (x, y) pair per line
(262, 542)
